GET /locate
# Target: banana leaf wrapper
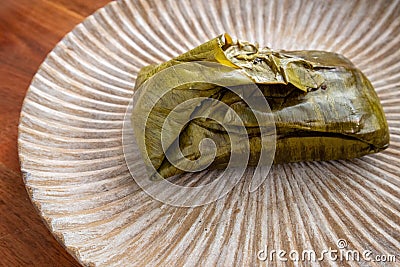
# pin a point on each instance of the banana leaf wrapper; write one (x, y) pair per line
(324, 108)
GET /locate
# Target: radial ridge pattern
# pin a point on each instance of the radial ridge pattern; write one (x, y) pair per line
(71, 149)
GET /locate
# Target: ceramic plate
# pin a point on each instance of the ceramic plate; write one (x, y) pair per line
(71, 149)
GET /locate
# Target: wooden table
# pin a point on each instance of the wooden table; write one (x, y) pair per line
(29, 29)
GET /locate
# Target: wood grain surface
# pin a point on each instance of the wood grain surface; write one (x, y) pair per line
(29, 29)
(71, 131)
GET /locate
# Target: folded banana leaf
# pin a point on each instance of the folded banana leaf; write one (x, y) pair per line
(324, 108)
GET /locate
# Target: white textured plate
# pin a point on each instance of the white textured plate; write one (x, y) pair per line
(71, 154)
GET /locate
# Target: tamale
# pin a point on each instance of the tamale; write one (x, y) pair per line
(324, 108)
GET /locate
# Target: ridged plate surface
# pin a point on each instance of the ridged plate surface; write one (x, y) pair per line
(71, 150)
